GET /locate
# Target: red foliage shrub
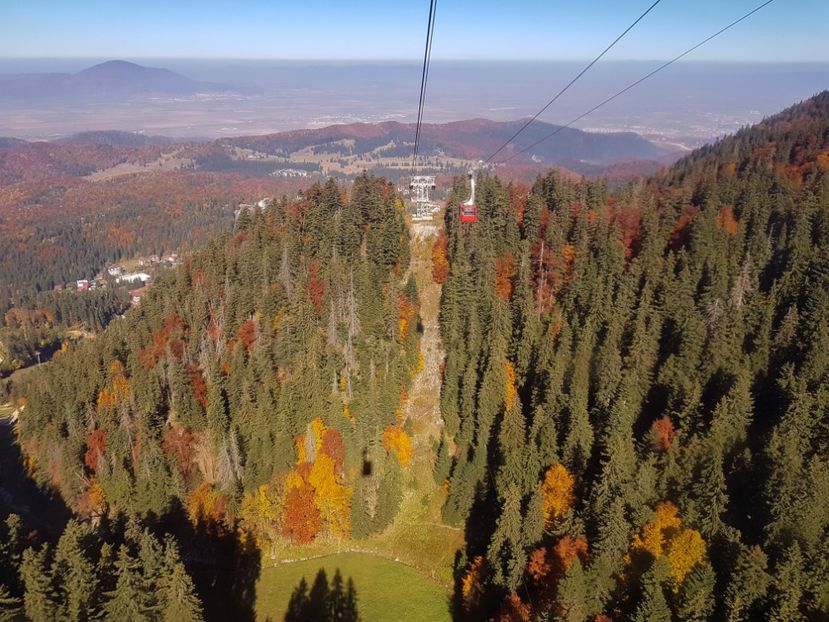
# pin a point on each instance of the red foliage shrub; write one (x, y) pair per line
(177, 349)
(663, 432)
(152, 353)
(629, 221)
(198, 384)
(567, 549)
(513, 609)
(246, 334)
(726, 220)
(333, 447)
(302, 519)
(679, 234)
(180, 444)
(538, 566)
(504, 274)
(518, 195)
(407, 312)
(316, 287)
(96, 446)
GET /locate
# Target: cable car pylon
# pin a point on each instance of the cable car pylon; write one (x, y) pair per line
(420, 186)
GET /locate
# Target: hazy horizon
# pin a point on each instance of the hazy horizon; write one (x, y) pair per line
(689, 103)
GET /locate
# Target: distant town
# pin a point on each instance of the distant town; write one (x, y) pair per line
(137, 282)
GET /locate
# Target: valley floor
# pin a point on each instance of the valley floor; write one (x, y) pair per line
(386, 591)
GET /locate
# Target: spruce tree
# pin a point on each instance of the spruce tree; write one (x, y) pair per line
(178, 596)
(652, 606)
(130, 600)
(40, 602)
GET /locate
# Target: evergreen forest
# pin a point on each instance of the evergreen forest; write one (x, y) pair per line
(635, 388)
(633, 404)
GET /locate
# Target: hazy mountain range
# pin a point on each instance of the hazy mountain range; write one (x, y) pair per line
(339, 150)
(110, 81)
(690, 103)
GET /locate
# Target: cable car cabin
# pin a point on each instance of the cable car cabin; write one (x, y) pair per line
(469, 213)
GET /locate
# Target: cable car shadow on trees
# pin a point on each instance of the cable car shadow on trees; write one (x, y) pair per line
(323, 602)
(367, 465)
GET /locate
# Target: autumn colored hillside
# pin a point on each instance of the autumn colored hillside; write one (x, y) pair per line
(617, 411)
(634, 392)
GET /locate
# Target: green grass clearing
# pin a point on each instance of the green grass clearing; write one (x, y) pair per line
(387, 591)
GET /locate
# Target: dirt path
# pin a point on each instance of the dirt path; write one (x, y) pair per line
(417, 537)
(423, 407)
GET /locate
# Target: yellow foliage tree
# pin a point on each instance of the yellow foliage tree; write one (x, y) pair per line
(93, 501)
(333, 498)
(655, 533)
(557, 489)
(293, 480)
(509, 386)
(396, 440)
(299, 443)
(259, 515)
(685, 551)
(202, 505)
(472, 584)
(683, 548)
(118, 389)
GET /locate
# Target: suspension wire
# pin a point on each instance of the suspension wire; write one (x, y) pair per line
(428, 59)
(424, 77)
(638, 82)
(573, 81)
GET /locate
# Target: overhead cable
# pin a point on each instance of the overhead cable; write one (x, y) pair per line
(573, 81)
(638, 82)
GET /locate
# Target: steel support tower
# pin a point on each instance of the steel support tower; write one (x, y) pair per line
(420, 187)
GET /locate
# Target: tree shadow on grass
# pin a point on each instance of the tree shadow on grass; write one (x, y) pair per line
(323, 602)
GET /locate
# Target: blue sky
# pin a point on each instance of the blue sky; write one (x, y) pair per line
(787, 30)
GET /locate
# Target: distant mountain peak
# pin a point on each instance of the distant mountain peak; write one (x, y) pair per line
(111, 80)
(117, 64)
(121, 73)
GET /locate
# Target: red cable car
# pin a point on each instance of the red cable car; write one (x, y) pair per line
(468, 209)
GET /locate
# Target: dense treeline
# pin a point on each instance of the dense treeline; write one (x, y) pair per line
(36, 329)
(64, 248)
(112, 572)
(635, 388)
(259, 386)
(56, 231)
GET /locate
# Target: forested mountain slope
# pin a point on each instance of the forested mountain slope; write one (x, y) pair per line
(258, 387)
(634, 397)
(635, 388)
(297, 329)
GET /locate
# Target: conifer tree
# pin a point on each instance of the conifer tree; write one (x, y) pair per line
(130, 600)
(652, 606)
(10, 606)
(178, 600)
(39, 601)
